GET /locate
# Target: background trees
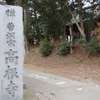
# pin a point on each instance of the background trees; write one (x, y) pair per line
(45, 18)
(10, 2)
(48, 18)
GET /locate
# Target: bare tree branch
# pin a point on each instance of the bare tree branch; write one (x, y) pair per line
(67, 5)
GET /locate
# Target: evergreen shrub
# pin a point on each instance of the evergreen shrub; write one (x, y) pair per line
(92, 47)
(63, 49)
(45, 47)
(81, 41)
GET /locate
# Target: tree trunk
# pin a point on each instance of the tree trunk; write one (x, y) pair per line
(24, 17)
(71, 40)
(25, 46)
(25, 40)
(65, 27)
(80, 17)
(64, 31)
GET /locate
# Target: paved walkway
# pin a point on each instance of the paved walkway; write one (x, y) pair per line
(53, 87)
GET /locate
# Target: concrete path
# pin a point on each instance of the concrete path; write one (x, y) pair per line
(53, 87)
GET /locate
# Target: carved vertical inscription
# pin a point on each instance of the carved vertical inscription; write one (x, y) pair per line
(11, 71)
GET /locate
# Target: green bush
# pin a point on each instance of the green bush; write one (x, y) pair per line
(63, 49)
(92, 47)
(45, 47)
(81, 41)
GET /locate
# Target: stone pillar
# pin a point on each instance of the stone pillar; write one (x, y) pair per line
(11, 53)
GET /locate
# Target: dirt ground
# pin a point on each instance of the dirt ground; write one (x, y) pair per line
(74, 66)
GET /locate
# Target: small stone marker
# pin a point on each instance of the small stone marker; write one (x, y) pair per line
(11, 53)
